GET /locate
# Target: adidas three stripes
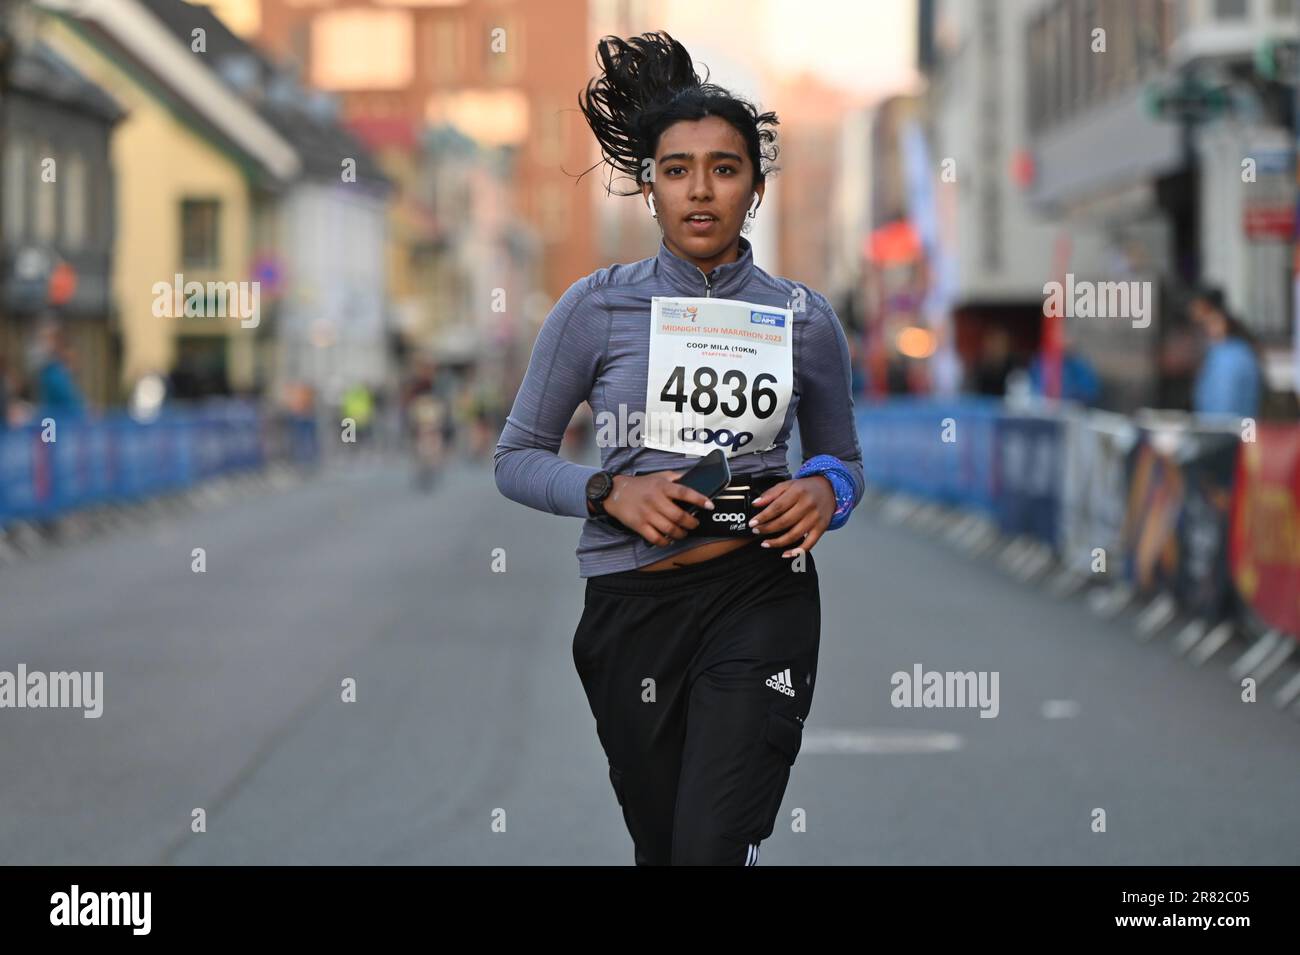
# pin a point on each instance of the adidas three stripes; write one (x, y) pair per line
(700, 679)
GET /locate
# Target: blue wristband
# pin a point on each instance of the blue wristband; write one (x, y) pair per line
(841, 480)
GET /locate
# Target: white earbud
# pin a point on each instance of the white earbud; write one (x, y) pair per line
(653, 212)
(753, 206)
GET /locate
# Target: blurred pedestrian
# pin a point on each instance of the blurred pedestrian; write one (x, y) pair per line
(1229, 381)
(995, 363)
(358, 404)
(57, 391)
(1079, 381)
(4, 391)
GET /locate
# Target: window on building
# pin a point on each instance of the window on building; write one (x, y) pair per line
(550, 128)
(1065, 40)
(507, 65)
(1052, 72)
(1085, 23)
(199, 233)
(446, 45)
(337, 36)
(45, 223)
(1080, 54)
(1150, 53)
(1231, 9)
(74, 202)
(1037, 71)
(1111, 62)
(553, 212)
(16, 184)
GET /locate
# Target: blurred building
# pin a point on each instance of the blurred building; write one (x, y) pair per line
(318, 248)
(1138, 151)
(56, 247)
(194, 165)
(812, 115)
(503, 74)
(625, 230)
(997, 248)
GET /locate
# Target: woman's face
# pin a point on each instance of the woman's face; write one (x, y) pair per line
(703, 187)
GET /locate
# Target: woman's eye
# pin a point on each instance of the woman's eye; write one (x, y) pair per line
(727, 169)
(672, 169)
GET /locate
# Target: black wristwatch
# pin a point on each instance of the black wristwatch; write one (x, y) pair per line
(598, 487)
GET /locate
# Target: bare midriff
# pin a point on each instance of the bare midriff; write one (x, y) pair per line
(703, 552)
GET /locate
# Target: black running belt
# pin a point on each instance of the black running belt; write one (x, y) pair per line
(733, 508)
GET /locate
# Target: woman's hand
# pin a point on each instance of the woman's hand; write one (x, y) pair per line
(645, 504)
(803, 507)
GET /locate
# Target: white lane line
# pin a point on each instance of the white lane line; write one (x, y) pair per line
(875, 742)
(1060, 709)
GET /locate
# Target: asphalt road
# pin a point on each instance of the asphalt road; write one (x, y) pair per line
(223, 691)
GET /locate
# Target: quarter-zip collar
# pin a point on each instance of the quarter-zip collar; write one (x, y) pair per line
(687, 279)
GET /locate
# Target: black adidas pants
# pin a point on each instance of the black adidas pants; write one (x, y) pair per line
(700, 679)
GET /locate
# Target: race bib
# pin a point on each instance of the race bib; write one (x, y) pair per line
(721, 375)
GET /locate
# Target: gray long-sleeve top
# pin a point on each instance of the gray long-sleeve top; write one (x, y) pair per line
(595, 346)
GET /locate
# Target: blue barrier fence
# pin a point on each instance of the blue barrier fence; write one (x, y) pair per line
(1151, 499)
(943, 451)
(118, 459)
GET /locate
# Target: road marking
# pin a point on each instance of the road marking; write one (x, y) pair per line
(1060, 709)
(877, 741)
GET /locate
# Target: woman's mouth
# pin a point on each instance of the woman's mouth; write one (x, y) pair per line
(700, 223)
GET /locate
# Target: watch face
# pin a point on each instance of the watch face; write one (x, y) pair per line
(598, 485)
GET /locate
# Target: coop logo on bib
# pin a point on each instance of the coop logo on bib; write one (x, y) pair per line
(721, 373)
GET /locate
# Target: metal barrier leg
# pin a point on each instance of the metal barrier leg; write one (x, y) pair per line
(1213, 642)
(1156, 616)
(1256, 655)
(1274, 661)
(1289, 693)
(1189, 636)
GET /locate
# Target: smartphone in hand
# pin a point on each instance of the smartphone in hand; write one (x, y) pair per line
(709, 475)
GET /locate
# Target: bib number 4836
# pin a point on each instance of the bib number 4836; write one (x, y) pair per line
(704, 399)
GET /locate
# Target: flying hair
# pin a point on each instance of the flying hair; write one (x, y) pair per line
(646, 84)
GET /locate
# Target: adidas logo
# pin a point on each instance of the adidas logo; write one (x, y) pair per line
(781, 682)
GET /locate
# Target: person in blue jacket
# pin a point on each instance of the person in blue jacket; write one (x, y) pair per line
(59, 395)
(1229, 381)
(1079, 381)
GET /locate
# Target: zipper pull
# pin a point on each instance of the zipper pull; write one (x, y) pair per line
(708, 286)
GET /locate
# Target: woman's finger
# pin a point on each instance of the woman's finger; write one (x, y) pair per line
(779, 514)
(665, 527)
(680, 492)
(809, 542)
(794, 535)
(675, 514)
(772, 493)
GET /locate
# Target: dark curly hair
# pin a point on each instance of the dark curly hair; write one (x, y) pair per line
(647, 83)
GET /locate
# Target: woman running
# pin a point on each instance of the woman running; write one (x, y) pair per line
(697, 645)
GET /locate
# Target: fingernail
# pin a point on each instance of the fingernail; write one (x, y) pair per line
(709, 505)
(764, 544)
(758, 500)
